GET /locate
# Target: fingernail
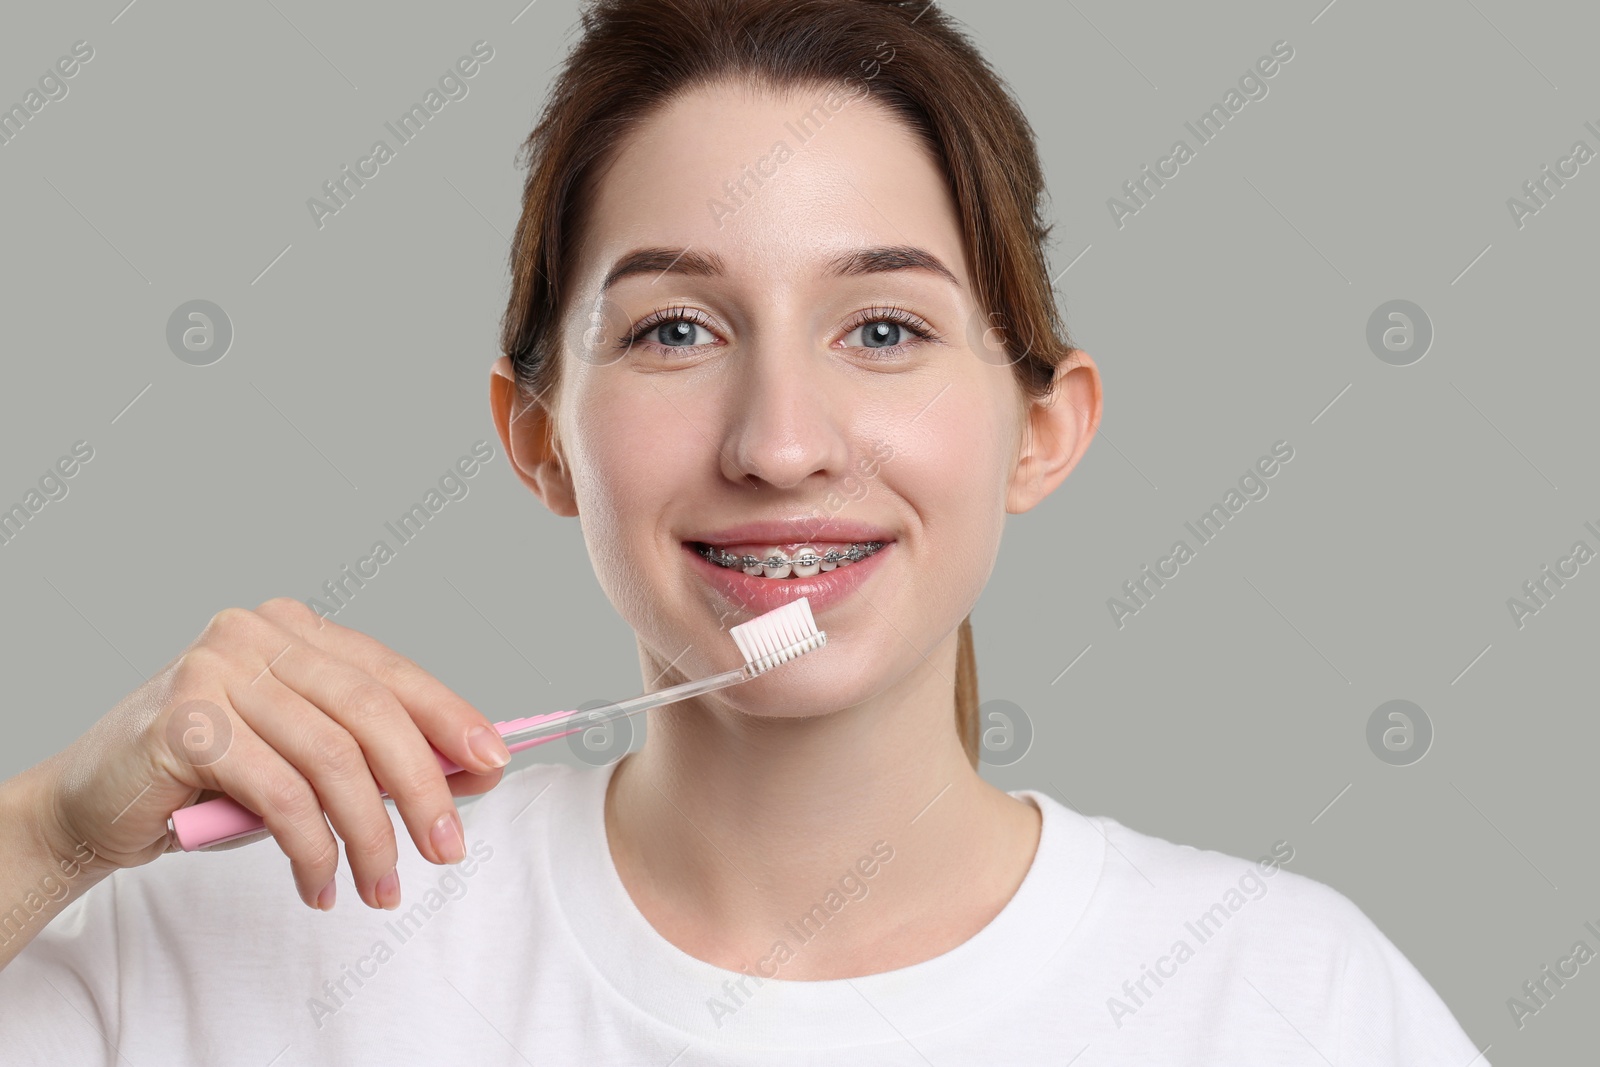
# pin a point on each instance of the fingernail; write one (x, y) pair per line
(388, 891)
(447, 840)
(488, 747)
(325, 898)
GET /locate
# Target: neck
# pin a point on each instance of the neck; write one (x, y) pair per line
(729, 830)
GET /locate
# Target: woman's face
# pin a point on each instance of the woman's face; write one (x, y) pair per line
(788, 349)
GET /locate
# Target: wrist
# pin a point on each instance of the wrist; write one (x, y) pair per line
(38, 877)
(37, 835)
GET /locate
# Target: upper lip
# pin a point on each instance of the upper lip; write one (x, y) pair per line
(793, 531)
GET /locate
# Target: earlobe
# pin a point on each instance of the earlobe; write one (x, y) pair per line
(524, 428)
(1059, 430)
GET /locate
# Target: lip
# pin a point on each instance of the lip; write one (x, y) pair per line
(761, 595)
(783, 532)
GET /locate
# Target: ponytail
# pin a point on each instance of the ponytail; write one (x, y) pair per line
(967, 726)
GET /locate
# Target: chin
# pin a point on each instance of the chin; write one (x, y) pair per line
(828, 680)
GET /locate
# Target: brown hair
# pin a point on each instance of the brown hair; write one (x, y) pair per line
(635, 56)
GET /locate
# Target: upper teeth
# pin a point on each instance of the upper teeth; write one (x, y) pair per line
(807, 561)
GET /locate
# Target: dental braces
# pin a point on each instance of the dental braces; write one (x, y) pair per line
(858, 551)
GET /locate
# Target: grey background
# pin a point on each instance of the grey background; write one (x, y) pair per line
(1228, 314)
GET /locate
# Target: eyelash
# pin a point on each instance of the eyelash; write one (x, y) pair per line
(893, 314)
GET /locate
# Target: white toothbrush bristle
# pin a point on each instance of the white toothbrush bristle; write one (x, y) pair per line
(778, 636)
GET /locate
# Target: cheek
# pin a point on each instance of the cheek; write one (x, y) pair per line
(627, 457)
(953, 472)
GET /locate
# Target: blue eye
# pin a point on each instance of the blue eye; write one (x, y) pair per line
(678, 333)
(883, 330)
(672, 327)
(881, 333)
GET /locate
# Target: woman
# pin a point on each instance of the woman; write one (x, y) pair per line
(779, 284)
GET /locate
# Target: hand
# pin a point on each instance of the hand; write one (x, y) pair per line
(295, 717)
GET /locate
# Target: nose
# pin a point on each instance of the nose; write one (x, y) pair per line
(791, 421)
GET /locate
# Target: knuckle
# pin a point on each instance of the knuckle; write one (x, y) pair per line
(284, 607)
(376, 842)
(291, 796)
(321, 854)
(371, 701)
(198, 667)
(337, 757)
(419, 782)
(229, 622)
(392, 664)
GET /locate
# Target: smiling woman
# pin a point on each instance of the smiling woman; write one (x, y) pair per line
(901, 322)
(839, 391)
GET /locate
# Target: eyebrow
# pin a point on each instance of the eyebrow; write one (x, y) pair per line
(858, 263)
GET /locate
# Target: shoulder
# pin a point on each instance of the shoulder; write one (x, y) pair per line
(1182, 875)
(1309, 951)
(1255, 905)
(1154, 876)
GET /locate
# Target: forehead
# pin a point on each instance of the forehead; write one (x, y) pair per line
(775, 185)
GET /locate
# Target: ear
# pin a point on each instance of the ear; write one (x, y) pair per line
(1058, 431)
(525, 431)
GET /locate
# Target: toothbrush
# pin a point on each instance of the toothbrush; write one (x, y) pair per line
(766, 641)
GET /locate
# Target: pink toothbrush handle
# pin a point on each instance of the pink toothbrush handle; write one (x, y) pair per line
(224, 819)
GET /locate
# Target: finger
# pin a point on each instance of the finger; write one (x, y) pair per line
(333, 761)
(467, 784)
(253, 773)
(399, 756)
(450, 723)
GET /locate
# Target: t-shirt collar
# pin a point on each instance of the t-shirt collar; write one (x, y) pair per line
(722, 1006)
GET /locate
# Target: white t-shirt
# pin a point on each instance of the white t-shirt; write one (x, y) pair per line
(1117, 948)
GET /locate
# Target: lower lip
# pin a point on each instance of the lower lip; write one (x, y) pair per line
(762, 595)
